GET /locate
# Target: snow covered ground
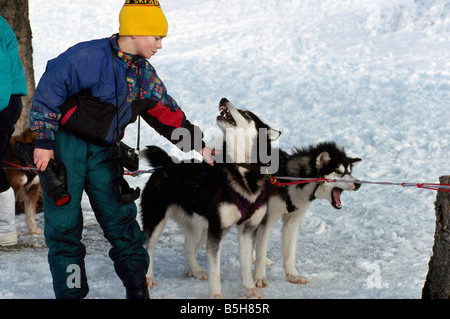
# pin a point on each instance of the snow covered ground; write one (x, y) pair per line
(373, 76)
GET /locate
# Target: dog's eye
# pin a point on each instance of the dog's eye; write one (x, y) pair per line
(339, 172)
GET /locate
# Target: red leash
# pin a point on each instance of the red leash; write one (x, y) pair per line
(15, 166)
(431, 186)
(275, 180)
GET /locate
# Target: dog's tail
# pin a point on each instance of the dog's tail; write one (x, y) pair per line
(156, 156)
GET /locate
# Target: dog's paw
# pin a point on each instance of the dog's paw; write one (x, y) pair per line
(261, 283)
(35, 231)
(201, 274)
(295, 279)
(255, 293)
(268, 261)
(217, 296)
(150, 281)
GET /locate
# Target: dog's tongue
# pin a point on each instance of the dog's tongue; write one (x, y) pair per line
(337, 197)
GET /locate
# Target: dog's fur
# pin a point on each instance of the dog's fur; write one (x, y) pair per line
(325, 160)
(204, 200)
(24, 182)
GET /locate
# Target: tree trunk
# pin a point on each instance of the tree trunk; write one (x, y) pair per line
(437, 284)
(16, 14)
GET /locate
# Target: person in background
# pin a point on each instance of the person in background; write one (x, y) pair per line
(112, 81)
(13, 85)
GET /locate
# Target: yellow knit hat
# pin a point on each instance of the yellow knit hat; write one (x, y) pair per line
(142, 17)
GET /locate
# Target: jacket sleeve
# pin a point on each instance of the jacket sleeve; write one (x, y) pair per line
(18, 79)
(63, 77)
(163, 113)
(12, 74)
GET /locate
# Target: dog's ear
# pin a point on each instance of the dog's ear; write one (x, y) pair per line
(273, 134)
(322, 159)
(354, 161)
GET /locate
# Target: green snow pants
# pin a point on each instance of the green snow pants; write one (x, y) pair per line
(91, 168)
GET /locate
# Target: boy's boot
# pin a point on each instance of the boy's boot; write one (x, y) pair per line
(141, 293)
(136, 285)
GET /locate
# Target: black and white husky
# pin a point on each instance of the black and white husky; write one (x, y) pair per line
(206, 201)
(325, 160)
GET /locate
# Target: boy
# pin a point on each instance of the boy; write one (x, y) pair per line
(115, 72)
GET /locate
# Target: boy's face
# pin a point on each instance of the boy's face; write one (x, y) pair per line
(147, 46)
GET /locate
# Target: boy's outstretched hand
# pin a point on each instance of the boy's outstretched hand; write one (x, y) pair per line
(208, 153)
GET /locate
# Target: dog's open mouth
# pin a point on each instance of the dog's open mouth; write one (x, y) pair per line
(336, 198)
(225, 115)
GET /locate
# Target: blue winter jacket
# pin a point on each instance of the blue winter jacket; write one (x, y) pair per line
(89, 66)
(12, 75)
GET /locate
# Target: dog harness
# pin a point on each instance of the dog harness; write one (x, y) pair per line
(287, 199)
(246, 208)
(28, 171)
(290, 207)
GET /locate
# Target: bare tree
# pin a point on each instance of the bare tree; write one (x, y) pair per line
(437, 284)
(16, 13)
